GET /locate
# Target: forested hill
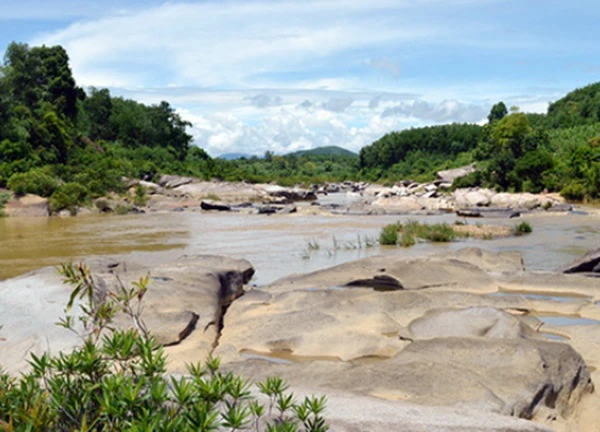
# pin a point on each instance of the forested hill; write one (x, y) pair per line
(557, 151)
(325, 151)
(53, 134)
(580, 107)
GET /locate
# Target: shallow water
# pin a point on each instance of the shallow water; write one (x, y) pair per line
(276, 245)
(565, 321)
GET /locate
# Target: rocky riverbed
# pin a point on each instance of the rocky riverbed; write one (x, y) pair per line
(179, 194)
(464, 340)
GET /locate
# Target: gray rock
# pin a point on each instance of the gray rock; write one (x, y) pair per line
(589, 263)
(213, 205)
(449, 176)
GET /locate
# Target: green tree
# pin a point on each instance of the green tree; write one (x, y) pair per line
(498, 112)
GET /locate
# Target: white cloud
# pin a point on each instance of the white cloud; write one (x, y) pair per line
(287, 75)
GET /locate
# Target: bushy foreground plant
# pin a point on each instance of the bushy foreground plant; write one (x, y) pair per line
(117, 380)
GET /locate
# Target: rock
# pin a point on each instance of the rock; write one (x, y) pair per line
(472, 197)
(173, 181)
(416, 344)
(27, 206)
(500, 213)
(213, 205)
(399, 204)
(182, 307)
(290, 194)
(589, 263)
(483, 322)
(449, 176)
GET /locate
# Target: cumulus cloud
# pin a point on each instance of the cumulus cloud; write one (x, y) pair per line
(263, 100)
(446, 111)
(338, 104)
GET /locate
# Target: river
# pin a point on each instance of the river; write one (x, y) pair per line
(276, 245)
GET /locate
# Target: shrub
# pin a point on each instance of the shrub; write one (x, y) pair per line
(4, 197)
(103, 206)
(435, 232)
(389, 234)
(407, 239)
(140, 199)
(574, 191)
(523, 228)
(117, 380)
(34, 182)
(122, 210)
(68, 197)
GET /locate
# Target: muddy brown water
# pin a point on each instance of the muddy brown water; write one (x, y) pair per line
(276, 245)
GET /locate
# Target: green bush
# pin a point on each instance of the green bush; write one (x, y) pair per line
(407, 239)
(34, 182)
(389, 234)
(4, 197)
(574, 191)
(122, 210)
(117, 381)
(69, 196)
(140, 199)
(103, 205)
(523, 228)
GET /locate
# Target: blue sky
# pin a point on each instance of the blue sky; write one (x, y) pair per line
(286, 75)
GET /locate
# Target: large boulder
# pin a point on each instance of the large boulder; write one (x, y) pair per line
(465, 198)
(173, 181)
(27, 206)
(588, 263)
(290, 194)
(452, 174)
(183, 306)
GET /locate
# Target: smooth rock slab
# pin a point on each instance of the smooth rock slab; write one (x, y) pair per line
(183, 306)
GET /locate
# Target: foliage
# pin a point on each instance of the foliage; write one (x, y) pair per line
(4, 198)
(498, 112)
(427, 149)
(35, 182)
(574, 191)
(580, 107)
(389, 234)
(140, 199)
(117, 379)
(523, 228)
(405, 234)
(69, 197)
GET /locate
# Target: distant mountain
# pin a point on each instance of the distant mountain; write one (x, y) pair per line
(233, 156)
(327, 151)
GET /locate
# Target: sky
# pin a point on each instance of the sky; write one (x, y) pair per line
(283, 75)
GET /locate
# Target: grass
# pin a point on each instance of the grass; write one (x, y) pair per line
(212, 197)
(361, 243)
(523, 228)
(406, 234)
(389, 234)
(123, 209)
